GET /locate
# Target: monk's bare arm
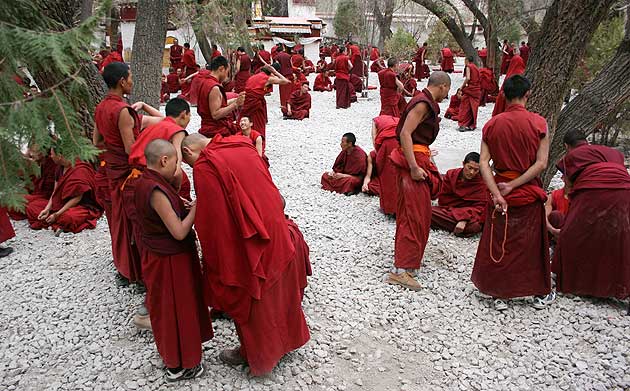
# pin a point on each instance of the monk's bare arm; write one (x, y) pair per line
(488, 177)
(374, 134)
(150, 110)
(542, 156)
(418, 114)
(179, 229)
(277, 78)
(349, 65)
(259, 145)
(72, 202)
(368, 175)
(466, 78)
(400, 85)
(176, 140)
(215, 98)
(125, 126)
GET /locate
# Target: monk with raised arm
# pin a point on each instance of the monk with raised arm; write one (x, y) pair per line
(348, 170)
(418, 179)
(180, 319)
(462, 201)
(255, 104)
(513, 254)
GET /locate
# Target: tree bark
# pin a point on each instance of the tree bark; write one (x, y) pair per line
(276, 7)
(148, 49)
(384, 20)
(86, 9)
(202, 41)
(597, 103)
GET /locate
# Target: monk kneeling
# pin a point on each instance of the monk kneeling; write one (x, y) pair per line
(72, 206)
(170, 266)
(462, 200)
(299, 103)
(349, 168)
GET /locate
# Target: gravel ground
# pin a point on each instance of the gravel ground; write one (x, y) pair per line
(64, 325)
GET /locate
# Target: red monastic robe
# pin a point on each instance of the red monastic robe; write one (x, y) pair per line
(75, 181)
(489, 86)
(253, 273)
(172, 82)
(460, 200)
(322, 83)
(448, 63)
(42, 186)
(195, 86)
(124, 250)
(483, 55)
(180, 320)
(374, 54)
(453, 108)
(421, 69)
(515, 262)
(524, 53)
(352, 163)
(342, 81)
(413, 210)
(190, 64)
(176, 52)
(390, 96)
(209, 126)
(506, 58)
(240, 79)
(302, 254)
(516, 67)
(6, 229)
(374, 187)
(255, 106)
(593, 249)
(378, 66)
(111, 57)
(286, 70)
(300, 105)
(469, 106)
(385, 143)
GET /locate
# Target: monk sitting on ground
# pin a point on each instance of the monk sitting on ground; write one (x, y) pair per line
(378, 65)
(299, 103)
(557, 207)
(257, 139)
(322, 82)
(170, 266)
(253, 272)
(593, 248)
(6, 233)
(453, 108)
(349, 168)
(72, 206)
(462, 199)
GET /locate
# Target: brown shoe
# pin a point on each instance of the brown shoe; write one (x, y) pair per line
(232, 357)
(142, 322)
(403, 279)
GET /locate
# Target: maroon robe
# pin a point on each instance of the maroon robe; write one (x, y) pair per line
(180, 320)
(210, 126)
(390, 97)
(521, 256)
(524, 53)
(378, 66)
(302, 254)
(42, 185)
(253, 273)
(175, 55)
(469, 106)
(374, 186)
(385, 143)
(489, 86)
(286, 70)
(189, 62)
(421, 69)
(300, 105)
(453, 108)
(460, 200)
(255, 106)
(244, 72)
(352, 163)
(6, 229)
(342, 81)
(593, 248)
(322, 83)
(448, 63)
(172, 82)
(516, 67)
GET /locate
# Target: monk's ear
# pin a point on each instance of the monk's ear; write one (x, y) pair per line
(186, 151)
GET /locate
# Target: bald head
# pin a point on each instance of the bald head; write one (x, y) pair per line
(439, 85)
(438, 78)
(192, 145)
(157, 149)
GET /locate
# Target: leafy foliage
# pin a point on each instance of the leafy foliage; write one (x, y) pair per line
(31, 43)
(224, 21)
(401, 45)
(439, 37)
(348, 21)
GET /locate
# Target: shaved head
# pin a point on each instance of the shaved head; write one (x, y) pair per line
(156, 149)
(439, 78)
(192, 145)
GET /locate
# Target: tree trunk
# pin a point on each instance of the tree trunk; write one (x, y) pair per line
(148, 49)
(86, 9)
(384, 20)
(597, 103)
(202, 41)
(566, 30)
(276, 7)
(492, 41)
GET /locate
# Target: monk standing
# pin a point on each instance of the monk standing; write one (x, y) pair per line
(349, 168)
(508, 52)
(175, 54)
(513, 255)
(420, 71)
(390, 89)
(462, 200)
(255, 104)
(6, 233)
(524, 52)
(593, 249)
(188, 60)
(483, 55)
(516, 67)
(446, 59)
(172, 80)
(342, 66)
(385, 142)
(180, 319)
(299, 103)
(253, 273)
(215, 51)
(286, 70)
(418, 179)
(471, 91)
(243, 70)
(215, 110)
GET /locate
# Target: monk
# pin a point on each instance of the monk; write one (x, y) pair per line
(418, 179)
(483, 55)
(243, 67)
(421, 70)
(309, 67)
(453, 108)
(215, 110)
(42, 186)
(374, 53)
(349, 168)
(471, 91)
(297, 61)
(322, 82)
(188, 60)
(462, 200)
(254, 273)
(322, 65)
(286, 70)
(299, 104)
(371, 182)
(342, 67)
(113, 56)
(358, 67)
(180, 319)
(516, 67)
(215, 51)
(72, 206)
(257, 139)
(557, 208)
(385, 142)
(489, 86)
(175, 54)
(117, 126)
(6, 233)
(255, 104)
(264, 55)
(513, 254)
(378, 65)
(593, 250)
(172, 80)
(524, 52)
(446, 59)
(507, 53)
(390, 89)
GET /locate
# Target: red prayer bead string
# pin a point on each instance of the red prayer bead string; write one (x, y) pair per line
(504, 237)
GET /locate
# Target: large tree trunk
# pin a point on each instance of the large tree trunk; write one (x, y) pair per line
(86, 9)
(148, 49)
(384, 20)
(597, 103)
(202, 41)
(566, 30)
(492, 41)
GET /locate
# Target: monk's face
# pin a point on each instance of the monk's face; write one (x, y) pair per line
(175, 42)
(222, 73)
(304, 88)
(471, 170)
(246, 125)
(127, 84)
(345, 144)
(442, 92)
(168, 166)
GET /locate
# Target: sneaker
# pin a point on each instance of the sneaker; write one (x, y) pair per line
(403, 279)
(461, 129)
(121, 280)
(232, 357)
(5, 251)
(500, 305)
(541, 302)
(173, 375)
(142, 322)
